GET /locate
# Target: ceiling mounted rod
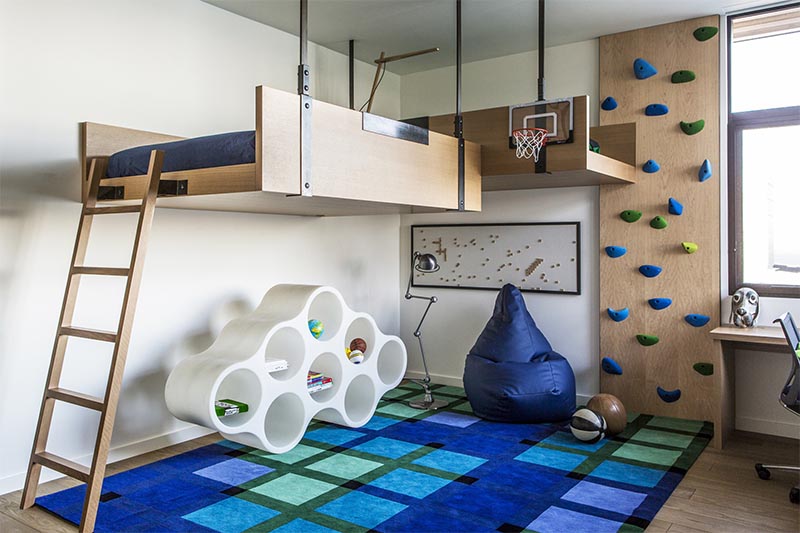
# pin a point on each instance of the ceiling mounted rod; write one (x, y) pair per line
(459, 119)
(541, 50)
(303, 88)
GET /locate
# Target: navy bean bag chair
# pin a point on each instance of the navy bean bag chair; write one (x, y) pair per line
(512, 373)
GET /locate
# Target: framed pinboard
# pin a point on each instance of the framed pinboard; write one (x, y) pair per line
(536, 257)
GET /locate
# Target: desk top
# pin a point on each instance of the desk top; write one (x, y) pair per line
(757, 335)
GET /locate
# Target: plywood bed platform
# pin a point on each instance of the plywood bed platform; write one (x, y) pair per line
(354, 172)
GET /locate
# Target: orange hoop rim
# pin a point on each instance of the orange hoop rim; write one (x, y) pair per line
(516, 133)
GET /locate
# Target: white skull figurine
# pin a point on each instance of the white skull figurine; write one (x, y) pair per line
(744, 308)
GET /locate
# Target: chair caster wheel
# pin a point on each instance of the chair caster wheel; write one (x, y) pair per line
(794, 495)
(762, 472)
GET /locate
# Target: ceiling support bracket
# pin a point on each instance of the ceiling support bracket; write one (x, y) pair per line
(303, 89)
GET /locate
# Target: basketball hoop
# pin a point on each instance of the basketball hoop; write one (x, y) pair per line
(529, 141)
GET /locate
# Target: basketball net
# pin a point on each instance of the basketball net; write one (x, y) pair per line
(529, 142)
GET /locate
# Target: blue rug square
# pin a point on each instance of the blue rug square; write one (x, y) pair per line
(234, 471)
(457, 463)
(298, 525)
(377, 423)
(620, 501)
(630, 474)
(391, 448)
(363, 509)
(551, 458)
(334, 435)
(231, 516)
(410, 483)
(450, 418)
(557, 520)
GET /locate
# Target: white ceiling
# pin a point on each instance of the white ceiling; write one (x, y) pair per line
(491, 28)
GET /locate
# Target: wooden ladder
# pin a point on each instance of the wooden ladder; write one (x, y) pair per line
(107, 405)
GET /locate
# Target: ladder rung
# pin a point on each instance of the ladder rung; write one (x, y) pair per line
(111, 210)
(65, 466)
(76, 398)
(101, 271)
(86, 333)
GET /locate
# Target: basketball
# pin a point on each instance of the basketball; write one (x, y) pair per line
(587, 425)
(358, 344)
(611, 408)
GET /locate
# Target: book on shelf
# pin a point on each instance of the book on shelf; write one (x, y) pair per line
(274, 365)
(320, 386)
(229, 407)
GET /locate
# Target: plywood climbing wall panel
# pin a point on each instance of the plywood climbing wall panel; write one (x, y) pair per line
(690, 280)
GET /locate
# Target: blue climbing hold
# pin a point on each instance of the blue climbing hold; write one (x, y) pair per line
(650, 166)
(650, 271)
(618, 315)
(609, 104)
(642, 69)
(656, 110)
(669, 396)
(610, 366)
(705, 171)
(616, 251)
(659, 303)
(675, 207)
(696, 320)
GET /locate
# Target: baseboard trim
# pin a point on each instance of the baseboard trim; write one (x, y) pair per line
(768, 427)
(15, 482)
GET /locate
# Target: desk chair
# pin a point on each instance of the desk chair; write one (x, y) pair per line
(790, 395)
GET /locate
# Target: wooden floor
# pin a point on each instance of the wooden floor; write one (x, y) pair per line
(719, 493)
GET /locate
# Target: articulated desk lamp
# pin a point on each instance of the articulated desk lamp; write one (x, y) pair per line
(425, 263)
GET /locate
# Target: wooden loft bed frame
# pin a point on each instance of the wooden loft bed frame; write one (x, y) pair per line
(568, 165)
(354, 172)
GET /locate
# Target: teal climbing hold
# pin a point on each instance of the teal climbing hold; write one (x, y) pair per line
(669, 396)
(696, 320)
(683, 76)
(618, 315)
(705, 171)
(642, 69)
(610, 366)
(650, 271)
(616, 251)
(691, 128)
(651, 166)
(705, 369)
(658, 222)
(705, 33)
(630, 215)
(609, 104)
(656, 110)
(674, 207)
(659, 303)
(647, 340)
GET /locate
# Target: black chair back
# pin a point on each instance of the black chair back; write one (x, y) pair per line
(790, 394)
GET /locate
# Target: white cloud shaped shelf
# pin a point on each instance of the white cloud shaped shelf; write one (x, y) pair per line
(280, 406)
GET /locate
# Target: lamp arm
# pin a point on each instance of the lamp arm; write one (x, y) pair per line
(411, 275)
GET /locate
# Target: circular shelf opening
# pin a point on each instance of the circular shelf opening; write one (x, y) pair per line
(327, 309)
(391, 362)
(286, 344)
(243, 386)
(329, 366)
(361, 328)
(285, 422)
(359, 399)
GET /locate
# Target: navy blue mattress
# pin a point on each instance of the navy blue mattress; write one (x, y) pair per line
(220, 150)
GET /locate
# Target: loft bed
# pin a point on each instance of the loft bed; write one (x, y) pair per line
(570, 164)
(358, 166)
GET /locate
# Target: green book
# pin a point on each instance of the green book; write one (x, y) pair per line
(229, 407)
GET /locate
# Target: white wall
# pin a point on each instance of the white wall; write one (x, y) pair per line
(569, 322)
(181, 67)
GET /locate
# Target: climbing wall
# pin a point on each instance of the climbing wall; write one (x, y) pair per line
(659, 276)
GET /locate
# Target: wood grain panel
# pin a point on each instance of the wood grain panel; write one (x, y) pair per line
(691, 281)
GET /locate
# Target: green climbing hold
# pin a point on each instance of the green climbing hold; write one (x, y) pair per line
(705, 369)
(690, 128)
(647, 340)
(658, 222)
(630, 215)
(705, 33)
(689, 247)
(683, 76)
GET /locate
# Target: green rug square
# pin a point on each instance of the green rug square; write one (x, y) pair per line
(295, 455)
(665, 438)
(693, 426)
(396, 393)
(452, 391)
(463, 408)
(400, 409)
(344, 466)
(646, 454)
(293, 489)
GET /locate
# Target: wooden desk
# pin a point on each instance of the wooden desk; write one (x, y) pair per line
(728, 339)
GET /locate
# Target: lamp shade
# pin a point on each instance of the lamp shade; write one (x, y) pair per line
(426, 263)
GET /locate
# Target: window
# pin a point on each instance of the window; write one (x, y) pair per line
(764, 151)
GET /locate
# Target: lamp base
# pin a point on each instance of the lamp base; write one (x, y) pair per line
(428, 403)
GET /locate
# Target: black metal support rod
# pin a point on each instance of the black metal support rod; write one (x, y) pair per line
(459, 119)
(541, 50)
(352, 64)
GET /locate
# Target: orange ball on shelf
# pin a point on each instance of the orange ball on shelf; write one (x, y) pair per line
(612, 410)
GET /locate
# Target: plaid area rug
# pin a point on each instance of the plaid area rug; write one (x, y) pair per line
(408, 470)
